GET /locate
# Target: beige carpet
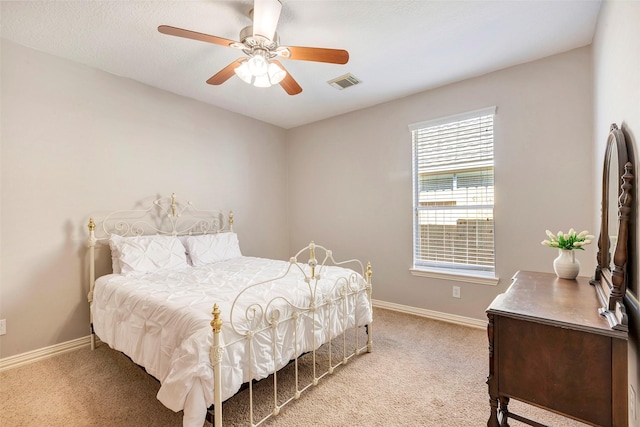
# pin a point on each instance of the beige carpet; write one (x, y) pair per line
(421, 373)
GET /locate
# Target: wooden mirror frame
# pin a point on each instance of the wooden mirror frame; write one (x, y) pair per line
(611, 284)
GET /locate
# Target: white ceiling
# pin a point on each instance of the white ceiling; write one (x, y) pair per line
(397, 47)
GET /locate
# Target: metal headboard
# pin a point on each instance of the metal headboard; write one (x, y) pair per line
(166, 216)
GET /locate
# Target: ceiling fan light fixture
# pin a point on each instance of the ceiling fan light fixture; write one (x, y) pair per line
(258, 65)
(262, 81)
(276, 74)
(259, 71)
(243, 72)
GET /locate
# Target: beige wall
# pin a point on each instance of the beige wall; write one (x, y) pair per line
(617, 100)
(350, 178)
(76, 141)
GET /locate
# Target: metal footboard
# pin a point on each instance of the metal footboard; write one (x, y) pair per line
(338, 307)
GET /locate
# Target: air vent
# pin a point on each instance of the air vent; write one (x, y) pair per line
(345, 81)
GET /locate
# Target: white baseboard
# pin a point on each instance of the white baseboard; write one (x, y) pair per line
(43, 353)
(436, 315)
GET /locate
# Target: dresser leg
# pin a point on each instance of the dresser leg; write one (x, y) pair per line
(504, 411)
(492, 381)
(493, 418)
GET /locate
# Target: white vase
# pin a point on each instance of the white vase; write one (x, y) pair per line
(566, 265)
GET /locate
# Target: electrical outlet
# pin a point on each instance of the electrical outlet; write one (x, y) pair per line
(456, 291)
(3, 326)
(633, 414)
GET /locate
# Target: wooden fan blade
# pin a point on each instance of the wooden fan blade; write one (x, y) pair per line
(188, 34)
(226, 73)
(288, 83)
(317, 54)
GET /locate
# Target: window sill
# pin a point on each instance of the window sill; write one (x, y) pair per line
(477, 278)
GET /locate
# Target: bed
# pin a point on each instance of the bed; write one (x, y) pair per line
(184, 303)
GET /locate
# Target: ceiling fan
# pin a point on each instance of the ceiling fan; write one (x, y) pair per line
(261, 44)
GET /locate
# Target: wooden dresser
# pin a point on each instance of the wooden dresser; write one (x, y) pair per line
(549, 347)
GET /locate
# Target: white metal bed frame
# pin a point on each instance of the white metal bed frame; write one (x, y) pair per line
(168, 216)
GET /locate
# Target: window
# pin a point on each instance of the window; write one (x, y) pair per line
(454, 193)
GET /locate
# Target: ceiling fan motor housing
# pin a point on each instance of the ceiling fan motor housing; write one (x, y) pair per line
(252, 42)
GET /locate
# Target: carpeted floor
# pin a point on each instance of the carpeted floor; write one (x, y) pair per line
(421, 373)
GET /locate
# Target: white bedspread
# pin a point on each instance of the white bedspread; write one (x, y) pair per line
(161, 321)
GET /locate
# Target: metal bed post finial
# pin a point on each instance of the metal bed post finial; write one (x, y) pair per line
(173, 205)
(230, 220)
(216, 323)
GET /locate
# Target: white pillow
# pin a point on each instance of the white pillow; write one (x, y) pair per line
(115, 255)
(210, 248)
(145, 254)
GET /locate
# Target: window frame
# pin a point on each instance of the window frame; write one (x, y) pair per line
(460, 272)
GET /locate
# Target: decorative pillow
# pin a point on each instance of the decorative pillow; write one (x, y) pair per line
(145, 254)
(210, 248)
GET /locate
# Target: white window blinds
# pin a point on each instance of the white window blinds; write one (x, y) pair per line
(454, 192)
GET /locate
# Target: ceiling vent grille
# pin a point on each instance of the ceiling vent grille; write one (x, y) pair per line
(345, 81)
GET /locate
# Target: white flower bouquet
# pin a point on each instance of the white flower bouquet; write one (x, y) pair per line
(568, 241)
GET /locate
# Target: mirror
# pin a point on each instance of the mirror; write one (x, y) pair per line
(611, 271)
(611, 194)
